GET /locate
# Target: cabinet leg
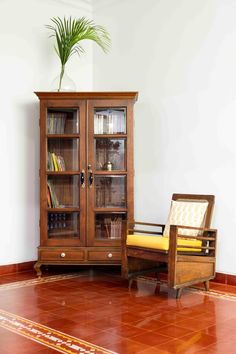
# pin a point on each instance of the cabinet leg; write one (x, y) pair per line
(37, 269)
(207, 285)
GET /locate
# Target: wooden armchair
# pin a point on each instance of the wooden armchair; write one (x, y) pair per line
(185, 246)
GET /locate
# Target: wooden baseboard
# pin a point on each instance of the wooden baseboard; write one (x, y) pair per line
(16, 268)
(222, 278)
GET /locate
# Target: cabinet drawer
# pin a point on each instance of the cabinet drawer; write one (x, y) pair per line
(61, 255)
(104, 255)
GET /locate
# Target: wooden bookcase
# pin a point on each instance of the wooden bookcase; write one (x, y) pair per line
(86, 176)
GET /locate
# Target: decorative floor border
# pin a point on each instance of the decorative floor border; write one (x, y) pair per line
(47, 336)
(37, 281)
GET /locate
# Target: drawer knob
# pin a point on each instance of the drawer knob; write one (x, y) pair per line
(63, 255)
(109, 255)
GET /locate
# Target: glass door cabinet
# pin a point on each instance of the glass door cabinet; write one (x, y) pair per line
(86, 176)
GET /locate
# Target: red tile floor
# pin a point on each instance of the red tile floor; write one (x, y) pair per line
(96, 313)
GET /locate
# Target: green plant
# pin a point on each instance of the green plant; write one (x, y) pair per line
(70, 32)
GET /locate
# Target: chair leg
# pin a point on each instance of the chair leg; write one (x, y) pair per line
(158, 288)
(178, 293)
(130, 283)
(207, 285)
(158, 277)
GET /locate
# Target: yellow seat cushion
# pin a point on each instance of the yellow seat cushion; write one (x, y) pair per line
(162, 243)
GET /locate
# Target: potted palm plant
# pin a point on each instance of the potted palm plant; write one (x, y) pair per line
(69, 33)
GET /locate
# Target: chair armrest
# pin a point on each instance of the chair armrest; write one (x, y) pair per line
(131, 228)
(208, 238)
(195, 228)
(145, 223)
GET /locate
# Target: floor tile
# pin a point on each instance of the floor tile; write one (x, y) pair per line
(151, 338)
(126, 331)
(174, 331)
(173, 346)
(195, 324)
(198, 340)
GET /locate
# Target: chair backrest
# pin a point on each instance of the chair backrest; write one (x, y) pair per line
(201, 198)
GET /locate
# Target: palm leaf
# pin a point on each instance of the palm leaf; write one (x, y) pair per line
(69, 33)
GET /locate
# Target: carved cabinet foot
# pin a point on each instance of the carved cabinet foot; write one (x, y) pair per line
(37, 269)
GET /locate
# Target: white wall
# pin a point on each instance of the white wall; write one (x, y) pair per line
(27, 63)
(181, 57)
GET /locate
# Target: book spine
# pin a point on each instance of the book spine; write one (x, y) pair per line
(55, 162)
(54, 199)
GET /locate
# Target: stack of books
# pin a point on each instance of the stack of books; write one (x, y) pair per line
(52, 200)
(55, 162)
(56, 122)
(109, 122)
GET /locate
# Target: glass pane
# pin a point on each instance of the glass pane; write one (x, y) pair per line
(110, 121)
(63, 154)
(110, 192)
(63, 121)
(110, 154)
(63, 225)
(109, 226)
(63, 191)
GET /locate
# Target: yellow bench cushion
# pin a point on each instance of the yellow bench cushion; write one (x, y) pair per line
(162, 243)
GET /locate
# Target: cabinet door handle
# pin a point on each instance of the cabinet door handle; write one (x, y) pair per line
(90, 176)
(82, 178)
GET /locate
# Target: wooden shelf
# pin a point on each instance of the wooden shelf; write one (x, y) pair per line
(62, 173)
(62, 233)
(63, 136)
(110, 173)
(110, 210)
(110, 136)
(63, 210)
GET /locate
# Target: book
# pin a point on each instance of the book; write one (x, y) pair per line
(54, 200)
(110, 121)
(55, 164)
(60, 163)
(49, 200)
(56, 122)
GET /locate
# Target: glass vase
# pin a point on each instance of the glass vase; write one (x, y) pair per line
(63, 83)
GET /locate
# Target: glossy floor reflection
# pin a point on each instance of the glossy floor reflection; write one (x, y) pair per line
(99, 309)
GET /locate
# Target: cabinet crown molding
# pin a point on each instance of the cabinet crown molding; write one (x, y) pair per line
(89, 95)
